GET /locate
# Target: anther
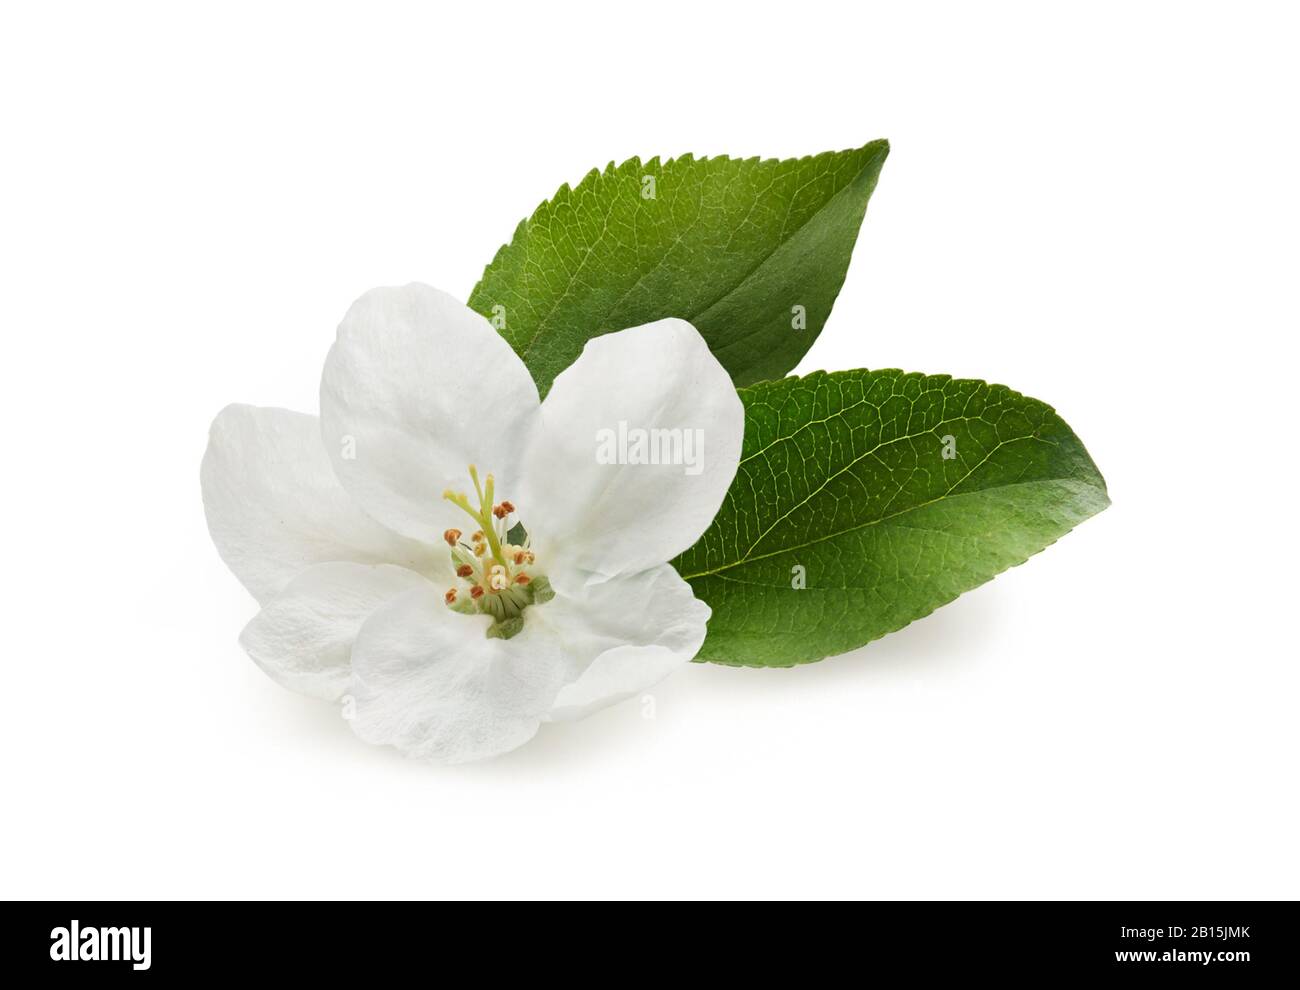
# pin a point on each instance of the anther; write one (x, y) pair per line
(450, 596)
(452, 536)
(476, 592)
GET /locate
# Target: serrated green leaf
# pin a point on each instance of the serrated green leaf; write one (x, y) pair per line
(843, 475)
(732, 246)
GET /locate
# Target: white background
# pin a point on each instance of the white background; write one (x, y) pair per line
(1095, 204)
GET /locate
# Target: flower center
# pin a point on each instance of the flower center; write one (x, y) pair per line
(499, 577)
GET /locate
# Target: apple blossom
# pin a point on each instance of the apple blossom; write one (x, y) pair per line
(381, 539)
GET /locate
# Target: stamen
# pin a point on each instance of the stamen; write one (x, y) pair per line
(500, 587)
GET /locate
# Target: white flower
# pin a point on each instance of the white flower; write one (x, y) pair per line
(373, 541)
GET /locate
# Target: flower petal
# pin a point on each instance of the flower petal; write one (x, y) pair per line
(416, 388)
(629, 633)
(430, 682)
(665, 486)
(275, 507)
(303, 637)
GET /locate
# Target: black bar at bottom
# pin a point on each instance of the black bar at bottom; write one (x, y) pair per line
(133, 941)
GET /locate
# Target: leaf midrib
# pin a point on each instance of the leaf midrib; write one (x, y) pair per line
(872, 522)
(839, 414)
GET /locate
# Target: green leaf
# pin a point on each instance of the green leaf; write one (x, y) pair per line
(732, 246)
(843, 475)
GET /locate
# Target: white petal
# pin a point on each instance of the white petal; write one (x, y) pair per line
(430, 682)
(629, 633)
(303, 637)
(596, 520)
(275, 507)
(416, 388)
